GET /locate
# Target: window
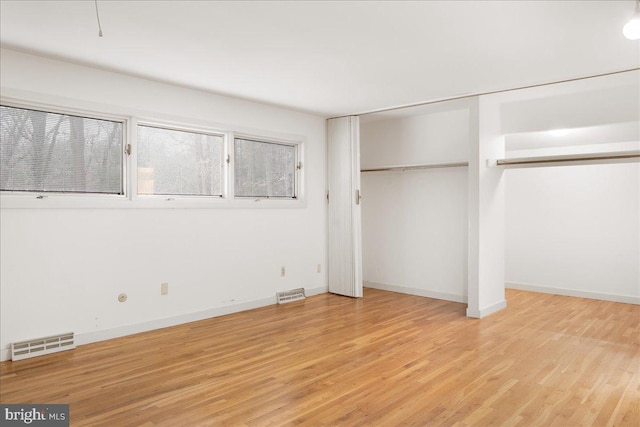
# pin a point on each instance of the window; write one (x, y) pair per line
(177, 162)
(43, 151)
(264, 169)
(50, 153)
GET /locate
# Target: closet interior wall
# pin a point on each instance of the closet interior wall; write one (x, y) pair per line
(574, 229)
(569, 229)
(414, 222)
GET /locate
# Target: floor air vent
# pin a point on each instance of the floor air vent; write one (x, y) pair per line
(38, 347)
(289, 296)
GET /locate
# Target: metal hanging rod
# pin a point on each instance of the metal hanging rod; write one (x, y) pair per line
(620, 155)
(416, 167)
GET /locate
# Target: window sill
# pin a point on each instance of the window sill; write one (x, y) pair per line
(57, 201)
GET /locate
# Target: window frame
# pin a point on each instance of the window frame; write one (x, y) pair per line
(130, 119)
(181, 128)
(47, 108)
(297, 166)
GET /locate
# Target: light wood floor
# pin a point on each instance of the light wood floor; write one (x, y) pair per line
(385, 360)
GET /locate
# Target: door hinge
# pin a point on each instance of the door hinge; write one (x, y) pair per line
(358, 197)
(299, 166)
(228, 158)
(127, 149)
(327, 197)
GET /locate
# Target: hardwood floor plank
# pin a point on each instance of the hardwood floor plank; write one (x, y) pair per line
(384, 360)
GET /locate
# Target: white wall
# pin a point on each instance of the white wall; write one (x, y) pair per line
(62, 269)
(486, 210)
(414, 223)
(575, 230)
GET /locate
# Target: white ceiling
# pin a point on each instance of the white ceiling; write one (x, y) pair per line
(332, 57)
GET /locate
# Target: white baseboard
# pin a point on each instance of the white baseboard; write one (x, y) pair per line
(316, 291)
(627, 299)
(417, 292)
(121, 331)
(484, 312)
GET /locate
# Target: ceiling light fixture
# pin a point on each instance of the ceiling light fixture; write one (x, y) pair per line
(98, 16)
(632, 29)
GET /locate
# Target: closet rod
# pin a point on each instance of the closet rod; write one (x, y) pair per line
(621, 155)
(416, 167)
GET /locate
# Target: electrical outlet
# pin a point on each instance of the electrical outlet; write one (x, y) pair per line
(319, 269)
(164, 289)
(282, 272)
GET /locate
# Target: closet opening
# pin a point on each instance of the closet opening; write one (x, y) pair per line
(414, 183)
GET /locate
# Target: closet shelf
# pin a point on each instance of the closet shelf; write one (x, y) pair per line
(416, 167)
(589, 157)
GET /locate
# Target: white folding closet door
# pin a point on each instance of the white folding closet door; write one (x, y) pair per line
(344, 213)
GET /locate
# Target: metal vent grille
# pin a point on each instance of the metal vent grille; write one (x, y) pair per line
(40, 346)
(289, 296)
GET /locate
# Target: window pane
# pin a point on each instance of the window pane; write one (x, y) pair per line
(264, 169)
(49, 152)
(173, 162)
